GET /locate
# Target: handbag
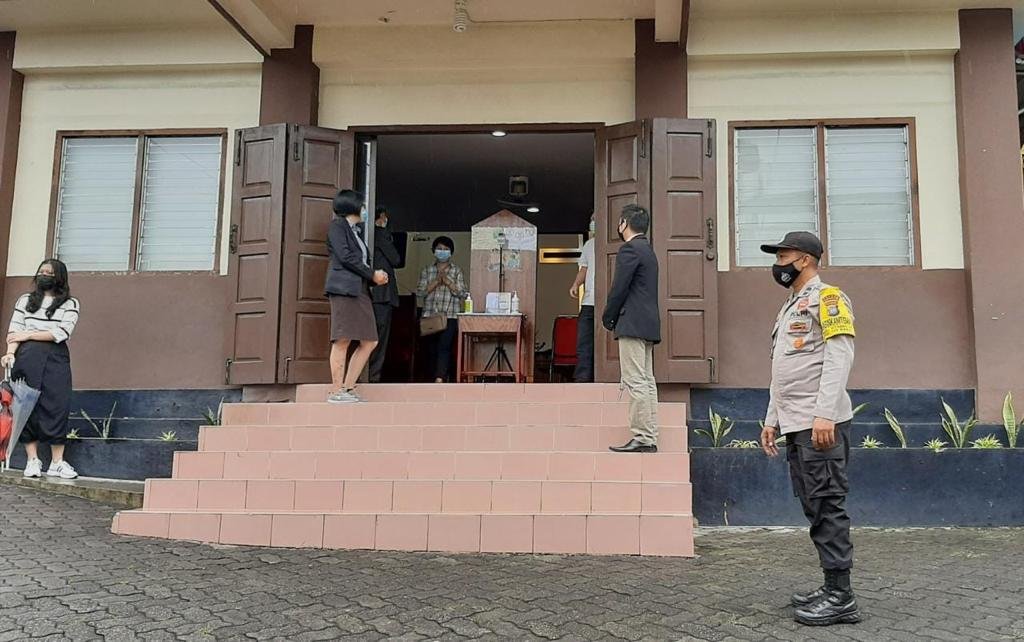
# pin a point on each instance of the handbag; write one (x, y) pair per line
(432, 325)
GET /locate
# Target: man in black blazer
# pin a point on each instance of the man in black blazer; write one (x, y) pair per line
(385, 297)
(632, 315)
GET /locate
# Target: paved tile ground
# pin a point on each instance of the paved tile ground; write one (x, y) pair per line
(65, 577)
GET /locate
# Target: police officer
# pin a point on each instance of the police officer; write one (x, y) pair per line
(812, 352)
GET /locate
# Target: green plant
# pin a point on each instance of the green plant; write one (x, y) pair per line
(858, 409)
(73, 434)
(1010, 424)
(170, 435)
(871, 442)
(214, 418)
(989, 442)
(103, 427)
(896, 428)
(958, 432)
(743, 443)
(720, 427)
(935, 445)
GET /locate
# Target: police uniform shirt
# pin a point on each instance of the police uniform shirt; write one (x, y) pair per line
(812, 353)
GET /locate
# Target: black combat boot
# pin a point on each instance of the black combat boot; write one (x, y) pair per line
(808, 597)
(835, 605)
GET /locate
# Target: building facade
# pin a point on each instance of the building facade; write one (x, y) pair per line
(891, 133)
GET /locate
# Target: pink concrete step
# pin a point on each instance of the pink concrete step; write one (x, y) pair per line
(421, 496)
(596, 534)
(432, 438)
(441, 413)
(433, 465)
(457, 392)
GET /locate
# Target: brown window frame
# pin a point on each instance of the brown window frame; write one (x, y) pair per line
(140, 135)
(819, 125)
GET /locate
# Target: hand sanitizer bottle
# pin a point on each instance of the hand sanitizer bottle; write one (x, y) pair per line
(515, 303)
(467, 305)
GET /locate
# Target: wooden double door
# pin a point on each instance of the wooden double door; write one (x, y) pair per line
(285, 178)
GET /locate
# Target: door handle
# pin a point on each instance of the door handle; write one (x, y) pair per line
(710, 253)
(233, 239)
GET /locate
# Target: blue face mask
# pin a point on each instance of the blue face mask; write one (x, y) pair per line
(443, 255)
(593, 226)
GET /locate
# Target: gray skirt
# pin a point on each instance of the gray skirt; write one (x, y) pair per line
(352, 318)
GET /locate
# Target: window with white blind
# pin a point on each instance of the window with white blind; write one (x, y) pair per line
(850, 184)
(139, 203)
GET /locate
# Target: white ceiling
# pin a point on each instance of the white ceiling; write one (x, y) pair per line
(56, 15)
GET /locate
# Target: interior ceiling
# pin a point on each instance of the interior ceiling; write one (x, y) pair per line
(44, 15)
(449, 182)
(440, 12)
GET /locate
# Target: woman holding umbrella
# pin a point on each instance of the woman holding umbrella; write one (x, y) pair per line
(38, 353)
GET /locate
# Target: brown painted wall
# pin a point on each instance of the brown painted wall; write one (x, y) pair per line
(912, 327)
(660, 80)
(992, 201)
(11, 83)
(138, 331)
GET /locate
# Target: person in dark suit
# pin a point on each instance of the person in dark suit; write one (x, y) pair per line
(632, 315)
(348, 288)
(385, 297)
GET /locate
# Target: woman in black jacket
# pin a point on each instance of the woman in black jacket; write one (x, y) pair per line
(348, 288)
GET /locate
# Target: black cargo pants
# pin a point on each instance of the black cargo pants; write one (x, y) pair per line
(820, 481)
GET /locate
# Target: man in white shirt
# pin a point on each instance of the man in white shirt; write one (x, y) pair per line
(585, 329)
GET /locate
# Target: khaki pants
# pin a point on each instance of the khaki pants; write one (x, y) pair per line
(636, 361)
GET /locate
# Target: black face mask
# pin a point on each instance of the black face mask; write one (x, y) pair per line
(622, 237)
(785, 275)
(45, 282)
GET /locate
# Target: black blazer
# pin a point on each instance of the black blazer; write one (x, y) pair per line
(385, 257)
(632, 309)
(348, 275)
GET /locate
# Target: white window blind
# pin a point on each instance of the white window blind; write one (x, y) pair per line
(776, 188)
(94, 203)
(180, 192)
(869, 202)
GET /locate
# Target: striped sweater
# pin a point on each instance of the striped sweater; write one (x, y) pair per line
(61, 325)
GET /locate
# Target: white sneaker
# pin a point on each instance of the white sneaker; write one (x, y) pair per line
(63, 470)
(344, 396)
(33, 468)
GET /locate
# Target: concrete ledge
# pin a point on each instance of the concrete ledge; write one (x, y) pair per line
(127, 494)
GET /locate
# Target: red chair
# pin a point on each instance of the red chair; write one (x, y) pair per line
(563, 338)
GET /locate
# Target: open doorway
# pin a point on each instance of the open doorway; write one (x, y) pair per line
(442, 183)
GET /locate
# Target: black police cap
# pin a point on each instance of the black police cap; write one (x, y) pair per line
(802, 241)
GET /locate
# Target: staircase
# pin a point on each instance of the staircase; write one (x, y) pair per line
(515, 468)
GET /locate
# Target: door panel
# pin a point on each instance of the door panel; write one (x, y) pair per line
(683, 214)
(257, 209)
(622, 175)
(320, 163)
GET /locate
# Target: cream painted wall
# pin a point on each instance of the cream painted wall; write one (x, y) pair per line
(775, 88)
(533, 73)
(226, 99)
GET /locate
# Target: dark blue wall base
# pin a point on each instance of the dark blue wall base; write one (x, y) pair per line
(888, 487)
(138, 415)
(919, 411)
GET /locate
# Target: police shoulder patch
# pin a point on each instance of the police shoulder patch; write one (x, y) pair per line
(835, 315)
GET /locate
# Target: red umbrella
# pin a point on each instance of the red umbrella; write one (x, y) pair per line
(6, 419)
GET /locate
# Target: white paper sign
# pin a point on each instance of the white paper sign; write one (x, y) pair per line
(517, 238)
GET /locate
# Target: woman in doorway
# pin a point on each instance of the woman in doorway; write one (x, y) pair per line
(443, 289)
(37, 351)
(348, 288)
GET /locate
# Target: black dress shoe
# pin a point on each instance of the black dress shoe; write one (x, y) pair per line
(834, 607)
(634, 446)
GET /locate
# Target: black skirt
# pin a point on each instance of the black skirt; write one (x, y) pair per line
(46, 366)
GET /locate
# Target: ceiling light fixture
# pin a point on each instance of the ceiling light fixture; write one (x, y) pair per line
(461, 21)
(497, 133)
(533, 210)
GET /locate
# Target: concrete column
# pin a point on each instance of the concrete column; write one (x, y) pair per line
(291, 83)
(992, 202)
(660, 74)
